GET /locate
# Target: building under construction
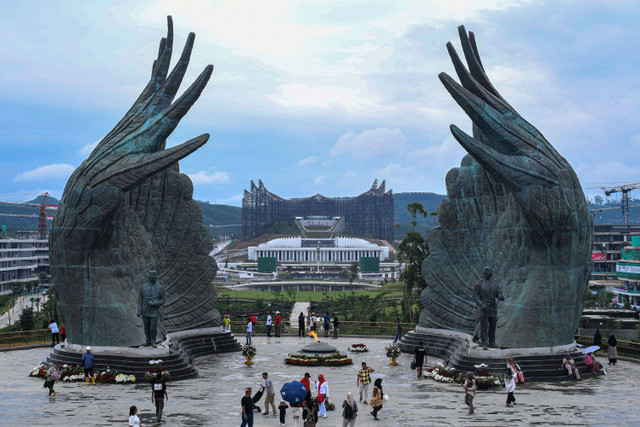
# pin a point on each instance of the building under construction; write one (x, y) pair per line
(368, 215)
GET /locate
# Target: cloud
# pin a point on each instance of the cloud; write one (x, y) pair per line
(320, 179)
(449, 152)
(52, 171)
(87, 149)
(202, 177)
(379, 142)
(307, 160)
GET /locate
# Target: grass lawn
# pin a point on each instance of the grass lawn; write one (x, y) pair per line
(389, 291)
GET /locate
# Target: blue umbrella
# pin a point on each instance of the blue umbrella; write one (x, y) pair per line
(293, 392)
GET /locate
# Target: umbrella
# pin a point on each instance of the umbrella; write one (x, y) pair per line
(293, 391)
(590, 349)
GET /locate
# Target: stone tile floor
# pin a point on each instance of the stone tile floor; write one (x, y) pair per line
(213, 399)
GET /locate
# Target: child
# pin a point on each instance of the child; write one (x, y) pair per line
(470, 388)
(510, 386)
(134, 421)
(282, 408)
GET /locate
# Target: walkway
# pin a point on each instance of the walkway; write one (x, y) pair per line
(298, 307)
(213, 399)
(16, 310)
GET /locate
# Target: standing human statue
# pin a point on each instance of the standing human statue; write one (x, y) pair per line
(485, 294)
(150, 299)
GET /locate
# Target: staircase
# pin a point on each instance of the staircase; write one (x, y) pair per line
(178, 359)
(462, 354)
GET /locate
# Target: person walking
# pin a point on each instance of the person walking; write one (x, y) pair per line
(87, 363)
(398, 331)
(247, 408)
(270, 395)
(376, 398)
(510, 387)
(309, 414)
(134, 421)
(159, 394)
(515, 370)
(278, 324)
(327, 324)
(419, 357)
(363, 380)
(336, 322)
(55, 333)
(301, 325)
(282, 412)
(470, 388)
(269, 324)
(597, 339)
(323, 395)
(612, 350)
(570, 366)
(249, 331)
(50, 379)
(349, 411)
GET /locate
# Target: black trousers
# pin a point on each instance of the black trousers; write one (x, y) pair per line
(510, 398)
(55, 338)
(301, 330)
(150, 329)
(268, 330)
(375, 411)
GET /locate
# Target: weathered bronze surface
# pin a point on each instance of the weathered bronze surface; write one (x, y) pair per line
(516, 205)
(126, 210)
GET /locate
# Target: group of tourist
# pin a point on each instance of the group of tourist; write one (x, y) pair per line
(306, 413)
(271, 321)
(316, 322)
(57, 333)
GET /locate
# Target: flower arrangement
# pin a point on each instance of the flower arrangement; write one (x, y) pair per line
(156, 368)
(70, 373)
(393, 350)
(484, 379)
(442, 373)
(333, 359)
(249, 350)
(358, 348)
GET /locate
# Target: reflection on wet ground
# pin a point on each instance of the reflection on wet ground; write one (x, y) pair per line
(213, 399)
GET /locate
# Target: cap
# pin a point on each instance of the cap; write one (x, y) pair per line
(277, 312)
(88, 348)
(307, 375)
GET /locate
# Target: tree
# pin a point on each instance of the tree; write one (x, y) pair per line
(412, 251)
(27, 320)
(42, 277)
(353, 272)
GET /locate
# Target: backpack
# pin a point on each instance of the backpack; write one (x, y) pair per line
(55, 376)
(348, 411)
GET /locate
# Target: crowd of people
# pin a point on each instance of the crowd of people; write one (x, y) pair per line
(312, 323)
(309, 410)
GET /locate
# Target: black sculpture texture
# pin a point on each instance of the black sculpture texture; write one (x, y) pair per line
(126, 210)
(516, 205)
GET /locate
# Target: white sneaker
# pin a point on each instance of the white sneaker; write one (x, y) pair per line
(324, 416)
(604, 371)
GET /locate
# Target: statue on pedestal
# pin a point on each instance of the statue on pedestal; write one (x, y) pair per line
(150, 299)
(485, 293)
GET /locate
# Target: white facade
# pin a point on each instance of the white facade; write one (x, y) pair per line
(20, 261)
(324, 251)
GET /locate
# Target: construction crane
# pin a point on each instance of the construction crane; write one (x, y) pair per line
(625, 189)
(41, 215)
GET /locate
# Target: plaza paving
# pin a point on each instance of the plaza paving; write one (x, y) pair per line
(213, 399)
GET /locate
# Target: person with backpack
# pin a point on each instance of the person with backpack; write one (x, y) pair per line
(470, 388)
(159, 394)
(50, 379)
(349, 411)
(510, 386)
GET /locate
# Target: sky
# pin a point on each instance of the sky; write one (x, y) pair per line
(317, 96)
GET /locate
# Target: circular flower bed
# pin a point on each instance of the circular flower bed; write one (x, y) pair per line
(358, 348)
(445, 374)
(332, 359)
(70, 373)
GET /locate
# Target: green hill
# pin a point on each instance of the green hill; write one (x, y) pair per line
(402, 218)
(8, 212)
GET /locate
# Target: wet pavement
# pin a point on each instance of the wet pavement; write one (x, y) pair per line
(213, 399)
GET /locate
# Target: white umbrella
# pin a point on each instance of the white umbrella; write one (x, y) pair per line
(590, 349)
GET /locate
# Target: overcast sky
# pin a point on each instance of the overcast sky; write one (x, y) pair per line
(317, 96)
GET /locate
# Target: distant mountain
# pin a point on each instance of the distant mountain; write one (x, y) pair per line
(8, 212)
(614, 213)
(216, 215)
(429, 201)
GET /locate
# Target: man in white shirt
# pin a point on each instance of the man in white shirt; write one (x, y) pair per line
(249, 330)
(55, 333)
(269, 324)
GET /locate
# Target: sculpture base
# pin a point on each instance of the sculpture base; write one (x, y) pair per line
(176, 352)
(463, 354)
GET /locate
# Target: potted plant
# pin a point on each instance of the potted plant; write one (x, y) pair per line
(393, 352)
(248, 351)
